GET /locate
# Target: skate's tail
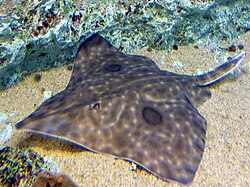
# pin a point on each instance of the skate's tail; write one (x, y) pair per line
(221, 71)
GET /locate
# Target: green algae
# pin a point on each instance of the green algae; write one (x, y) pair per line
(37, 35)
(18, 167)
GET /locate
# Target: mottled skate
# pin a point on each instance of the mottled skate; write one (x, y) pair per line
(126, 106)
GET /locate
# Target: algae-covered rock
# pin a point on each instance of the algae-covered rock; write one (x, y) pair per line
(37, 35)
(18, 167)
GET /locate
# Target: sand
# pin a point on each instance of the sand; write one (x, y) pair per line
(226, 160)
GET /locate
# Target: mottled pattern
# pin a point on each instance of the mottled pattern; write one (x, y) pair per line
(125, 105)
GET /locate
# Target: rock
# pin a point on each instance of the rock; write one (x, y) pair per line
(38, 35)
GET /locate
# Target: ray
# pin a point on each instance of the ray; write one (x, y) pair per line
(124, 105)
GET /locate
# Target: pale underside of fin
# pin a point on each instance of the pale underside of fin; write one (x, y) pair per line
(126, 106)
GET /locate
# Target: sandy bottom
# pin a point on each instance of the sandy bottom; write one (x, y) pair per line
(226, 160)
